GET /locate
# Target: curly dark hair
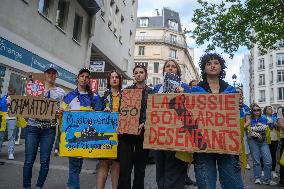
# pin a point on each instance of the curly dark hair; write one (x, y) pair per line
(209, 56)
(119, 77)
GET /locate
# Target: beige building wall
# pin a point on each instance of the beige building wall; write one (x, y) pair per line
(158, 45)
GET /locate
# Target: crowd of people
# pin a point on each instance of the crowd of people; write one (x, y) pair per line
(262, 134)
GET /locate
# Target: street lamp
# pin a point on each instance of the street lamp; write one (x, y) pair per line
(234, 77)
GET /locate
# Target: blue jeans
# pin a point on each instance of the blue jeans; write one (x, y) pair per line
(33, 138)
(12, 130)
(206, 171)
(260, 149)
(75, 166)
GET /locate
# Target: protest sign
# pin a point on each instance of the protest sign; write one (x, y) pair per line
(35, 84)
(171, 82)
(89, 134)
(32, 107)
(193, 123)
(130, 111)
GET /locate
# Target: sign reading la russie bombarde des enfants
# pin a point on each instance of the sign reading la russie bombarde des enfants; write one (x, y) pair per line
(194, 123)
(32, 107)
(130, 111)
(89, 134)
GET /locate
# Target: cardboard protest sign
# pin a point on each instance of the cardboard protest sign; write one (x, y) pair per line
(32, 107)
(35, 84)
(130, 111)
(194, 123)
(171, 82)
(89, 134)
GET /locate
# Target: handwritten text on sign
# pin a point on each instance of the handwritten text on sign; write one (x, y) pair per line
(32, 107)
(194, 123)
(130, 111)
(89, 134)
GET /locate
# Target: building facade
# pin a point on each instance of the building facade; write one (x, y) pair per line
(37, 33)
(244, 81)
(113, 41)
(68, 34)
(158, 39)
(267, 78)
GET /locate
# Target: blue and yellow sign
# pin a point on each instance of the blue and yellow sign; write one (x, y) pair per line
(89, 134)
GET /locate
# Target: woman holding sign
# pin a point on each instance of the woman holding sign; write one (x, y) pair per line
(170, 171)
(131, 146)
(80, 99)
(111, 100)
(212, 67)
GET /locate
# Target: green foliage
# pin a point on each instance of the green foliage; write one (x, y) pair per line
(234, 23)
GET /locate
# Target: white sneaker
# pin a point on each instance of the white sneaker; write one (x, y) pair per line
(248, 167)
(271, 183)
(262, 173)
(11, 157)
(257, 181)
(274, 174)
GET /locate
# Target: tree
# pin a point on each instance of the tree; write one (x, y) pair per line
(234, 23)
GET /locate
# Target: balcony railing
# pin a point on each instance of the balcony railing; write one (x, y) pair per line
(160, 39)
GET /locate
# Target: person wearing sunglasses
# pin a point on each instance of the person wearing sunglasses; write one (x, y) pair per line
(256, 132)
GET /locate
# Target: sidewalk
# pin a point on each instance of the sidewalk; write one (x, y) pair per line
(11, 173)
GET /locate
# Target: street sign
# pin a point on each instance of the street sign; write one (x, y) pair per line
(97, 66)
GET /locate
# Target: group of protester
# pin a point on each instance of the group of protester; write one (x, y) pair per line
(263, 132)
(171, 171)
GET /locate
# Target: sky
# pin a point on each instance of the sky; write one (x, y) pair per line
(186, 8)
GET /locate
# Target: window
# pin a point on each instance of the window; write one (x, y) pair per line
(43, 7)
(173, 53)
(62, 13)
(280, 76)
(271, 94)
(261, 96)
(144, 22)
(142, 64)
(281, 93)
(261, 79)
(270, 61)
(280, 59)
(271, 77)
(173, 38)
(173, 25)
(156, 81)
(142, 36)
(156, 67)
(141, 50)
(261, 65)
(78, 21)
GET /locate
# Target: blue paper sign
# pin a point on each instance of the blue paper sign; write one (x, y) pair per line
(89, 134)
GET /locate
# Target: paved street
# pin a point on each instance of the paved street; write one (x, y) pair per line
(11, 173)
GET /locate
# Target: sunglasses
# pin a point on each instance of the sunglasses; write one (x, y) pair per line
(256, 110)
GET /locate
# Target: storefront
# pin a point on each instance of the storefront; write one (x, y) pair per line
(16, 62)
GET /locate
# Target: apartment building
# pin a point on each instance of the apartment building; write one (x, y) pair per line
(267, 78)
(159, 38)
